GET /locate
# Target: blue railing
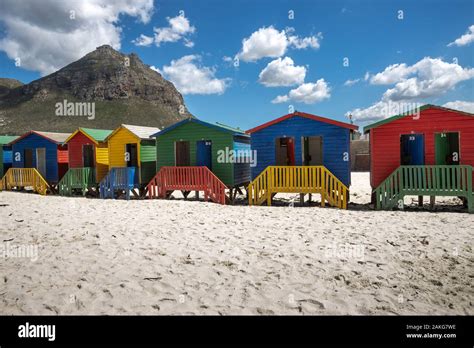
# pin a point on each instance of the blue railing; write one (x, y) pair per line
(120, 178)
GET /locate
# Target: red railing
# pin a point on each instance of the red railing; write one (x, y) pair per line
(169, 179)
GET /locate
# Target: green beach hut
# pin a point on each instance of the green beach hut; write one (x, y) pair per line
(225, 151)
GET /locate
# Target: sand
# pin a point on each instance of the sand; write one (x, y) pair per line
(92, 256)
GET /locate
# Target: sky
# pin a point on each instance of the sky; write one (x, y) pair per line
(243, 63)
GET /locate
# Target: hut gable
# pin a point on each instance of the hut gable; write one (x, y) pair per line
(145, 146)
(192, 130)
(335, 139)
(430, 123)
(56, 156)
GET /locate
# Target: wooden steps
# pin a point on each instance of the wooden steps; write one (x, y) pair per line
(77, 178)
(187, 179)
(23, 178)
(298, 179)
(429, 180)
(119, 180)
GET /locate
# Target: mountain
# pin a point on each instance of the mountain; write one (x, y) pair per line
(116, 88)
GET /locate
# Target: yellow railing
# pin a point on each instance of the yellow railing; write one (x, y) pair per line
(298, 179)
(24, 177)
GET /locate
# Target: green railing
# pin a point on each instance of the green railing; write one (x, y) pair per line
(430, 180)
(77, 178)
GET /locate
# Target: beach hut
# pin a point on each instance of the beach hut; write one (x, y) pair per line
(428, 151)
(88, 160)
(301, 153)
(132, 161)
(40, 159)
(193, 155)
(5, 153)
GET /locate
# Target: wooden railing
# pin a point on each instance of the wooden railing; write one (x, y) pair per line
(119, 178)
(430, 180)
(22, 178)
(169, 179)
(298, 179)
(77, 178)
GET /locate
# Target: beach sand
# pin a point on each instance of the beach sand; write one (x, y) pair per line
(185, 257)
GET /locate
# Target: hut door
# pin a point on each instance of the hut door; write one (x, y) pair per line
(204, 153)
(412, 149)
(182, 153)
(285, 152)
(131, 155)
(88, 156)
(447, 148)
(41, 161)
(28, 155)
(312, 151)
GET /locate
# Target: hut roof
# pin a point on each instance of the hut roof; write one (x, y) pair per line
(306, 115)
(410, 113)
(58, 138)
(96, 135)
(218, 126)
(139, 131)
(5, 139)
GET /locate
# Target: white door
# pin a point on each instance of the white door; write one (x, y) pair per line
(41, 161)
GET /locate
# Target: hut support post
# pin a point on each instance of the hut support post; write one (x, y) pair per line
(197, 195)
(302, 198)
(420, 201)
(432, 202)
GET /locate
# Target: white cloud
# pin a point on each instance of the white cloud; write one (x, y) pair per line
(265, 42)
(154, 68)
(307, 93)
(432, 77)
(391, 74)
(269, 42)
(465, 39)
(460, 105)
(280, 99)
(178, 29)
(191, 78)
(46, 35)
(282, 72)
(302, 43)
(351, 82)
(429, 77)
(143, 40)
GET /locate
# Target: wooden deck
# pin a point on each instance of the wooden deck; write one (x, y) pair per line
(187, 179)
(80, 179)
(24, 178)
(120, 181)
(429, 180)
(298, 179)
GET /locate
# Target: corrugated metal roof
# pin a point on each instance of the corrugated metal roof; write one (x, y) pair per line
(5, 139)
(97, 134)
(410, 113)
(218, 126)
(306, 115)
(140, 131)
(57, 137)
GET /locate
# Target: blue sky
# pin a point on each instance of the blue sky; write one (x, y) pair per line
(370, 34)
